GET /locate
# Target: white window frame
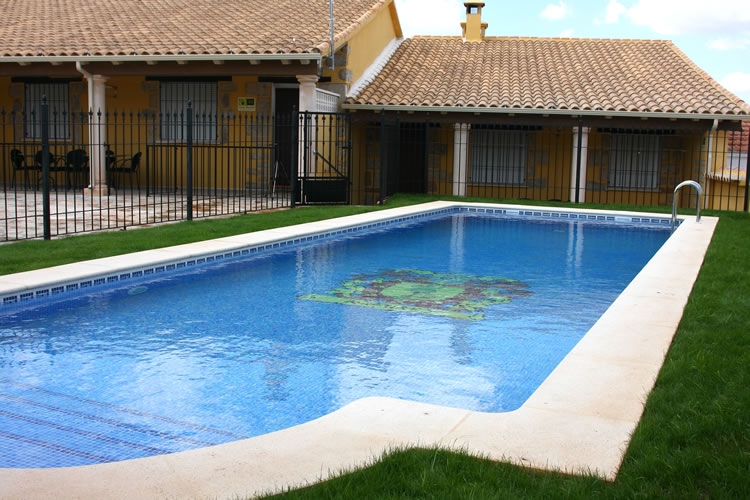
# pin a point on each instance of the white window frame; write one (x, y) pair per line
(634, 161)
(498, 156)
(57, 94)
(173, 98)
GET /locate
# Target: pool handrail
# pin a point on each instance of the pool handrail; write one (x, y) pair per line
(699, 191)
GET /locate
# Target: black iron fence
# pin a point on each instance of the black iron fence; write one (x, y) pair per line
(633, 163)
(106, 171)
(65, 174)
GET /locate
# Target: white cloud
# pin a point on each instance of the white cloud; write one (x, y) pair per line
(430, 17)
(568, 33)
(737, 83)
(554, 12)
(691, 17)
(729, 43)
(614, 10)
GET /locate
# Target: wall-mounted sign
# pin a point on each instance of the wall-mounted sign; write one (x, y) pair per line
(246, 104)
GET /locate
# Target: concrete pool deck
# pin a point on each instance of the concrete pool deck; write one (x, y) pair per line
(579, 420)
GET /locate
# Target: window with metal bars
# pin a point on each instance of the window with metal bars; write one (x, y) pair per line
(634, 161)
(174, 97)
(498, 156)
(57, 99)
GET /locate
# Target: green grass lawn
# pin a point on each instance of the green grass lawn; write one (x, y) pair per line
(693, 440)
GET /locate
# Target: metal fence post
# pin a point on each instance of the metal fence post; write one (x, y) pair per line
(745, 205)
(426, 174)
(383, 160)
(189, 159)
(294, 167)
(44, 126)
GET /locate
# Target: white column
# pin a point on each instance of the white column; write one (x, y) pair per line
(307, 87)
(460, 158)
(574, 165)
(307, 102)
(98, 136)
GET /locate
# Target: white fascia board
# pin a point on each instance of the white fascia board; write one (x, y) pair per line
(375, 68)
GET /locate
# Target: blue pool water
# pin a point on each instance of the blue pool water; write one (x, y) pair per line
(461, 310)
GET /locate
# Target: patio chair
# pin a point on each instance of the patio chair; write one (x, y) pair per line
(53, 167)
(18, 161)
(76, 167)
(126, 166)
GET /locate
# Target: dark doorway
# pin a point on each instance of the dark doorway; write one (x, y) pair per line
(286, 101)
(412, 158)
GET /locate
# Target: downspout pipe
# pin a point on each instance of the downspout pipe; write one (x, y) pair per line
(89, 80)
(98, 131)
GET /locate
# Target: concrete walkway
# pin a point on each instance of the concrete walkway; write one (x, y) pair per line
(74, 212)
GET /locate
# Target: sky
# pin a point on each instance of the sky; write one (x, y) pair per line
(713, 34)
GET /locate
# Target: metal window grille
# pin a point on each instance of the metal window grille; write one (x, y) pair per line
(174, 97)
(498, 157)
(634, 161)
(57, 98)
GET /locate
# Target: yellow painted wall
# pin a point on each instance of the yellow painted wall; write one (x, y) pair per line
(13, 132)
(725, 186)
(366, 45)
(548, 160)
(440, 161)
(166, 163)
(681, 158)
(6, 100)
(726, 195)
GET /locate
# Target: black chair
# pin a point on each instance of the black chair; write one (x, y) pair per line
(53, 166)
(126, 166)
(76, 167)
(18, 161)
(39, 156)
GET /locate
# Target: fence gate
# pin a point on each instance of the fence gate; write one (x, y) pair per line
(324, 158)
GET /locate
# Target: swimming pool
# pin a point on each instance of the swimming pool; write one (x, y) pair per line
(386, 294)
(580, 420)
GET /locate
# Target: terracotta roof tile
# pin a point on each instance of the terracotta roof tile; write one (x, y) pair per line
(56, 28)
(740, 140)
(639, 76)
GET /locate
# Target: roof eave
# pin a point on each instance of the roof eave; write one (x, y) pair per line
(24, 60)
(549, 112)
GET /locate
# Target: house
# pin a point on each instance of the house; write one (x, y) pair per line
(507, 117)
(327, 98)
(147, 58)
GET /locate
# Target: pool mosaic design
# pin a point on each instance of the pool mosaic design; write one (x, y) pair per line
(458, 296)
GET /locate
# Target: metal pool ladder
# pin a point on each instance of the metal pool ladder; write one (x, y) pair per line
(698, 189)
